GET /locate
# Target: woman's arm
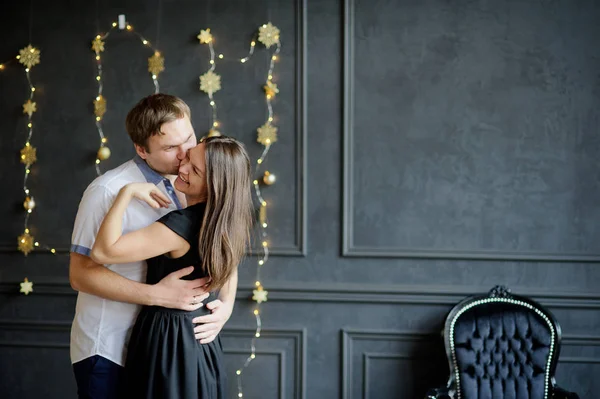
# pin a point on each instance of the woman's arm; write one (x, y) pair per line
(111, 246)
(209, 326)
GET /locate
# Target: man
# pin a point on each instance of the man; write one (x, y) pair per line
(110, 295)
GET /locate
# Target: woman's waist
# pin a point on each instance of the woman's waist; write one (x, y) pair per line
(203, 310)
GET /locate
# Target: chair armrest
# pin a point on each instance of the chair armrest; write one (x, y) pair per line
(440, 393)
(559, 393)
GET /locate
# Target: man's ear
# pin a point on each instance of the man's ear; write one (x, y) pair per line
(141, 151)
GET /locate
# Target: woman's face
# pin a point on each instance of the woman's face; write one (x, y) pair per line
(191, 179)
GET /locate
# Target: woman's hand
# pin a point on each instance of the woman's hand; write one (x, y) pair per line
(148, 193)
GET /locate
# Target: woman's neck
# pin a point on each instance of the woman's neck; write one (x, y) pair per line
(192, 200)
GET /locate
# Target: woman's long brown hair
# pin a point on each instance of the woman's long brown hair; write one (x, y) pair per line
(225, 231)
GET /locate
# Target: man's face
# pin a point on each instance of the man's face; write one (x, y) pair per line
(167, 150)
(192, 174)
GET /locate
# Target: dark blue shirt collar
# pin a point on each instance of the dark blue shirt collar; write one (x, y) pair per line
(150, 174)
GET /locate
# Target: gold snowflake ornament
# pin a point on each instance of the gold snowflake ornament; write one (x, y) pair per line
(214, 133)
(205, 36)
(25, 243)
(156, 64)
(98, 44)
(268, 35)
(260, 295)
(29, 56)
(28, 155)
(29, 108)
(210, 83)
(271, 89)
(267, 134)
(26, 287)
(100, 106)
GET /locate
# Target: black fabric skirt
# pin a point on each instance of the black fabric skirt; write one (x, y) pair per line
(165, 361)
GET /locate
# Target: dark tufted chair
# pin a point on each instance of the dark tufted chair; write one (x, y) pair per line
(501, 346)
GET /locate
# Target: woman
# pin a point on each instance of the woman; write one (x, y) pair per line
(164, 359)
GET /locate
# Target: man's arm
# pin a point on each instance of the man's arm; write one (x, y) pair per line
(93, 278)
(209, 326)
(87, 276)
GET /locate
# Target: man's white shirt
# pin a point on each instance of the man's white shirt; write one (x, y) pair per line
(101, 326)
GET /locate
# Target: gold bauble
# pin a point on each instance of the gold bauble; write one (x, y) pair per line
(29, 203)
(103, 153)
(269, 178)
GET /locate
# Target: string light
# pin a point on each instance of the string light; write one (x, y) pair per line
(155, 67)
(267, 135)
(29, 57)
(210, 82)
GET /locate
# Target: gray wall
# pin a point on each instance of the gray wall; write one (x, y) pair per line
(428, 150)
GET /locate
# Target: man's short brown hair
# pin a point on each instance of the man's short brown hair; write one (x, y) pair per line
(145, 119)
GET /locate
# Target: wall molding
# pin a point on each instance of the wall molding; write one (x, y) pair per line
(299, 248)
(296, 335)
(349, 336)
(349, 249)
(432, 295)
(280, 359)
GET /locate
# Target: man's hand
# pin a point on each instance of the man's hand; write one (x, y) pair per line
(175, 293)
(209, 326)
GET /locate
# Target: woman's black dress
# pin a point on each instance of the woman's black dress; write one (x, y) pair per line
(164, 360)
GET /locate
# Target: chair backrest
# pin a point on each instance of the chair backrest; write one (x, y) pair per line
(501, 346)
